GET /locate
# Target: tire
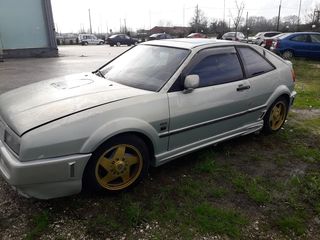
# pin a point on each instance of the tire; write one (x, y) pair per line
(85, 43)
(276, 115)
(288, 54)
(118, 44)
(117, 165)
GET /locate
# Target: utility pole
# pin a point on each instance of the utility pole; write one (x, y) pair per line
(125, 26)
(197, 18)
(298, 27)
(224, 13)
(90, 21)
(278, 22)
(247, 29)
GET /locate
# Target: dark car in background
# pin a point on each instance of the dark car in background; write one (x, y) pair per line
(299, 44)
(159, 36)
(121, 39)
(197, 35)
(233, 36)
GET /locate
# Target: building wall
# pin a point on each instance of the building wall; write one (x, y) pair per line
(26, 28)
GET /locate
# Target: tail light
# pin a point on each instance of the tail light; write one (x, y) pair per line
(277, 45)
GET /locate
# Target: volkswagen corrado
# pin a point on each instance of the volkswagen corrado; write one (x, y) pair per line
(100, 131)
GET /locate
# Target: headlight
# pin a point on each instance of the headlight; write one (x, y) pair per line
(12, 142)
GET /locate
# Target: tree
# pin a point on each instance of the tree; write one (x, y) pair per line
(313, 15)
(199, 22)
(238, 17)
(217, 26)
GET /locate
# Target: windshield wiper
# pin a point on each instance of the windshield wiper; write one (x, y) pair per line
(99, 73)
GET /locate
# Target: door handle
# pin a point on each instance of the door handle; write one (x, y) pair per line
(243, 87)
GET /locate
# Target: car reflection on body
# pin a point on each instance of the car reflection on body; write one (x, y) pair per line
(101, 131)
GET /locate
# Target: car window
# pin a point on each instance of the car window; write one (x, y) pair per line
(253, 62)
(218, 69)
(270, 34)
(315, 38)
(300, 38)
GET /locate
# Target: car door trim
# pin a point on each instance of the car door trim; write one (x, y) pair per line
(209, 122)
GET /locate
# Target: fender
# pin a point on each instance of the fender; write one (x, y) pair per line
(119, 126)
(279, 91)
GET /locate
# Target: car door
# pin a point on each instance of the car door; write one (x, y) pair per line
(301, 45)
(214, 109)
(315, 41)
(262, 78)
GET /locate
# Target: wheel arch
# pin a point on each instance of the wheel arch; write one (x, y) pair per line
(114, 129)
(281, 91)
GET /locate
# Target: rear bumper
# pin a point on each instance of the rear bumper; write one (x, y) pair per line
(45, 178)
(292, 97)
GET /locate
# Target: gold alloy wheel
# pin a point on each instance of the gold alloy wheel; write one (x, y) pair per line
(118, 167)
(277, 115)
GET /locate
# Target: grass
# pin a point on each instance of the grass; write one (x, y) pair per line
(40, 224)
(307, 84)
(292, 224)
(219, 221)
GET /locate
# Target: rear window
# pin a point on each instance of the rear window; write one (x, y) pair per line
(315, 38)
(254, 63)
(270, 34)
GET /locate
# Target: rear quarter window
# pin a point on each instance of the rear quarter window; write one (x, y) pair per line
(254, 64)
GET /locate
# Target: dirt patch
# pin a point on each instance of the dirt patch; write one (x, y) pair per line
(304, 114)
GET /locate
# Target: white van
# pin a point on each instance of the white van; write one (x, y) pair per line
(86, 39)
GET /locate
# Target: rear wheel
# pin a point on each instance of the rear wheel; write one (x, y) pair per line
(118, 44)
(287, 54)
(117, 165)
(276, 115)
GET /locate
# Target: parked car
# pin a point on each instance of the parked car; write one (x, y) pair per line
(159, 36)
(267, 41)
(299, 44)
(259, 37)
(100, 131)
(121, 39)
(86, 39)
(197, 35)
(233, 36)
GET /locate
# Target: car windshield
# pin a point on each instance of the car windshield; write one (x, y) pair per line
(145, 67)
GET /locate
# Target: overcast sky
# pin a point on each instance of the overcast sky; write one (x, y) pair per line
(72, 15)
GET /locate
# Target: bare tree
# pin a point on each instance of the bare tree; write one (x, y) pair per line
(238, 17)
(199, 22)
(313, 15)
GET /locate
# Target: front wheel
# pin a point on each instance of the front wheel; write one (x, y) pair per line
(276, 116)
(117, 165)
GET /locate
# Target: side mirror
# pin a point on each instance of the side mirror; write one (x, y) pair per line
(191, 82)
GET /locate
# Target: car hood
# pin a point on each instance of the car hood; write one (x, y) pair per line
(36, 104)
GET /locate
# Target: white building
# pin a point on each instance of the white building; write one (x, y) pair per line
(27, 29)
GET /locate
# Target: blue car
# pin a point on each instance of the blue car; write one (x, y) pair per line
(299, 44)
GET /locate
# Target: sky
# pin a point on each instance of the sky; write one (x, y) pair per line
(73, 15)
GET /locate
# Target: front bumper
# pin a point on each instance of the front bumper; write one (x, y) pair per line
(45, 178)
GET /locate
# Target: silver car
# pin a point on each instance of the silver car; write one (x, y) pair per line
(101, 131)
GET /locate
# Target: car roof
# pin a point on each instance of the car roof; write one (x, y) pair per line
(189, 43)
